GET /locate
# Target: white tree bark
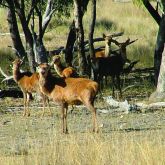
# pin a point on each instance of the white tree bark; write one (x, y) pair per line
(161, 78)
(159, 94)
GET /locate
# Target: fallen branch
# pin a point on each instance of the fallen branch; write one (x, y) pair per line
(5, 75)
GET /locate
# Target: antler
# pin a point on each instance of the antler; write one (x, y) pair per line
(130, 42)
(126, 43)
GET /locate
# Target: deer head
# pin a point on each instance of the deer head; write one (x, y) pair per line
(43, 69)
(17, 62)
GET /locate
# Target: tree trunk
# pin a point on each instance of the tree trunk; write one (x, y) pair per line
(152, 11)
(90, 35)
(28, 38)
(159, 94)
(91, 29)
(72, 38)
(78, 15)
(159, 48)
(70, 45)
(13, 27)
(40, 51)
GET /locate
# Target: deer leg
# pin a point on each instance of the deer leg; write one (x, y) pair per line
(90, 106)
(119, 85)
(64, 109)
(100, 82)
(65, 118)
(62, 117)
(44, 100)
(28, 99)
(113, 86)
(47, 101)
(24, 102)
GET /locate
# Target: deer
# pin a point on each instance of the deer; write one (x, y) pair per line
(68, 91)
(108, 40)
(122, 48)
(61, 70)
(28, 83)
(111, 66)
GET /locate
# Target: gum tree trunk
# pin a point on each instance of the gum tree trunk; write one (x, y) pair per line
(13, 27)
(72, 37)
(159, 94)
(78, 15)
(91, 29)
(159, 48)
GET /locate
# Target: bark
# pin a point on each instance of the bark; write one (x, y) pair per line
(91, 29)
(78, 15)
(72, 38)
(159, 48)
(28, 35)
(159, 94)
(70, 45)
(14, 32)
(90, 36)
(152, 11)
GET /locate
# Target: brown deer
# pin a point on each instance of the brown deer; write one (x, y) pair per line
(61, 70)
(68, 91)
(108, 40)
(29, 83)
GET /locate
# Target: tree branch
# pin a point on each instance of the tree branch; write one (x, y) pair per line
(47, 15)
(5, 75)
(152, 11)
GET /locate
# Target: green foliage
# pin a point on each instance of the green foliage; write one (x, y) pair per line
(61, 7)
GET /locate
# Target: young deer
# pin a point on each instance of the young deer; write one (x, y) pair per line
(29, 83)
(61, 70)
(68, 91)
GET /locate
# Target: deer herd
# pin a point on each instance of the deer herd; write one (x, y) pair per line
(67, 88)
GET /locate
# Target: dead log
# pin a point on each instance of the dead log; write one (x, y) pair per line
(11, 93)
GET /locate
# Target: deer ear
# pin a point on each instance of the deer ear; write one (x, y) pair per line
(104, 36)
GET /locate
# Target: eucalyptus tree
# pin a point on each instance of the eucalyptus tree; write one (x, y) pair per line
(28, 12)
(72, 35)
(159, 55)
(158, 14)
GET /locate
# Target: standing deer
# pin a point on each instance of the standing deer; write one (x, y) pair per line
(111, 66)
(68, 91)
(29, 83)
(61, 70)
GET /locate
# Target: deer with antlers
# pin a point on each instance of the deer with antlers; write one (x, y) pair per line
(29, 83)
(68, 91)
(61, 70)
(111, 66)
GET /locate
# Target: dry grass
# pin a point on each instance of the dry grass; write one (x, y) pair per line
(133, 139)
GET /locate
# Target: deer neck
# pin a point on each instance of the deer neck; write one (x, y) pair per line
(44, 84)
(107, 50)
(123, 55)
(16, 73)
(59, 69)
